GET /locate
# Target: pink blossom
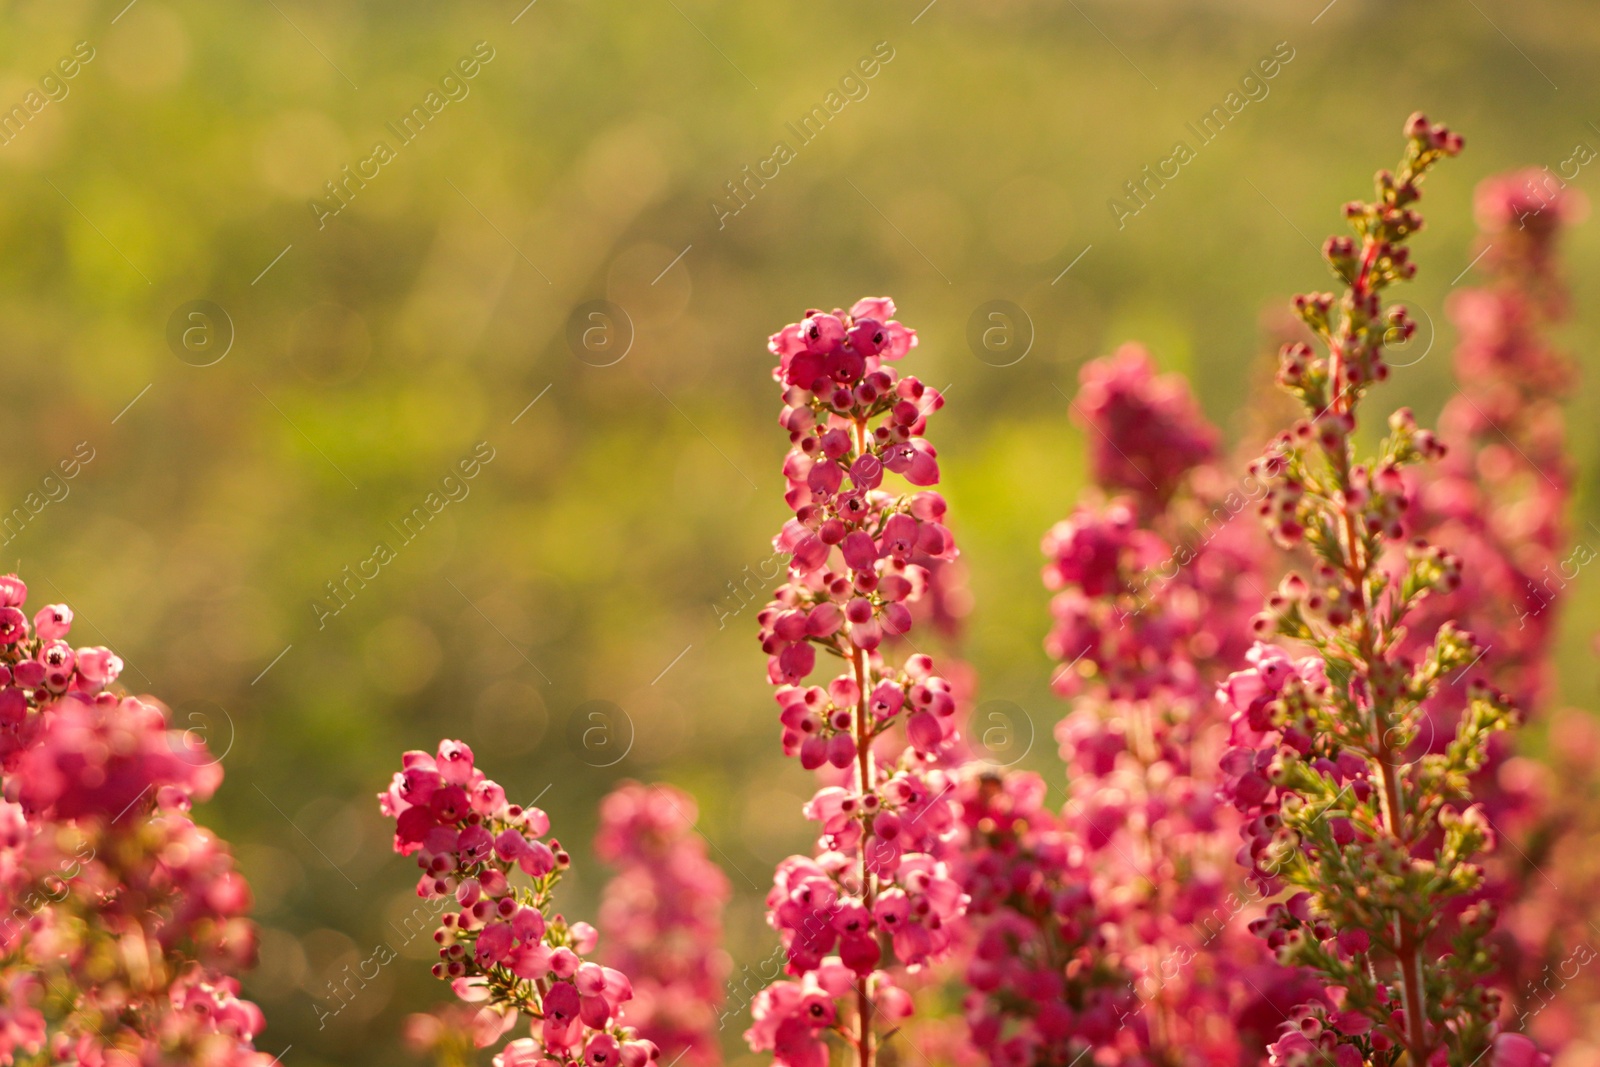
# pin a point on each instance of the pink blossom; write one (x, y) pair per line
(1312, 742)
(1147, 432)
(97, 849)
(469, 841)
(1514, 1050)
(52, 621)
(866, 556)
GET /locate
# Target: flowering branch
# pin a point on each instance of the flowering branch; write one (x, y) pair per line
(1382, 848)
(878, 884)
(504, 948)
(124, 921)
(1153, 580)
(1499, 501)
(661, 916)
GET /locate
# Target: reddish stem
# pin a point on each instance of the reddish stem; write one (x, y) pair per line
(1357, 567)
(865, 1045)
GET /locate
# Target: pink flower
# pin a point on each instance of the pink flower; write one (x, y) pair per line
(602, 1050)
(530, 960)
(97, 668)
(798, 1044)
(562, 1007)
(1147, 431)
(523, 1052)
(13, 626)
(494, 941)
(52, 621)
(1515, 1050)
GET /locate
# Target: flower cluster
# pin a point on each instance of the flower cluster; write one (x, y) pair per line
(1045, 980)
(878, 885)
(38, 666)
(661, 918)
(1521, 214)
(124, 921)
(503, 948)
(1497, 501)
(1379, 845)
(1152, 602)
(1149, 432)
(1144, 605)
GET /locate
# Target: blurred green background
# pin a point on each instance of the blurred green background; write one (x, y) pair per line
(587, 570)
